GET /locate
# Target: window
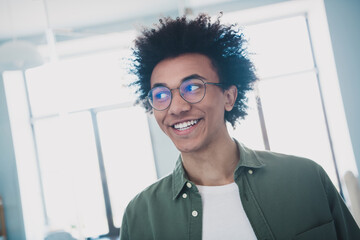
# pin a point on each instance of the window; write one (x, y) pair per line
(123, 133)
(292, 109)
(292, 115)
(70, 174)
(91, 143)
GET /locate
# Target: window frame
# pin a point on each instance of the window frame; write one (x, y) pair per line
(324, 67)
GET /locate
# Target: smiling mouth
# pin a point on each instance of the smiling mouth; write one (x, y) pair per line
(185, 125)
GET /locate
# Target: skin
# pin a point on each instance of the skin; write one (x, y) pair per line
(209, 154)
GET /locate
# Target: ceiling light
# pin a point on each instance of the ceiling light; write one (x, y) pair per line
(19, 55)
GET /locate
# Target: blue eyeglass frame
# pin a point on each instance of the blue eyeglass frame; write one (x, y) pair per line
(171, 95)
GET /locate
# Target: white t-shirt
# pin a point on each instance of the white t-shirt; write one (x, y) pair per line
(223, 214)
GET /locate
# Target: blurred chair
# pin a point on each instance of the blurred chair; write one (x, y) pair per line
(59, 235)
(353, 188)
(2, 221)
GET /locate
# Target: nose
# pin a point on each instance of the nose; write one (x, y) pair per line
(178, 105)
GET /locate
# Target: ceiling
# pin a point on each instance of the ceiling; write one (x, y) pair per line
(26, 18)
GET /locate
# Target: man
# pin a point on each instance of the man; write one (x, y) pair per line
(193, 75)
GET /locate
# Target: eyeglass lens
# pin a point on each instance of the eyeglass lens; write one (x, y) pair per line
(192, 91)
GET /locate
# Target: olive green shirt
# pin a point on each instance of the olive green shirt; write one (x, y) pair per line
(284, 197)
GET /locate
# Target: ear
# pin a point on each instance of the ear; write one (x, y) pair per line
(230, 97)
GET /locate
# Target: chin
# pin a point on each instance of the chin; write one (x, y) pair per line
(183, 148)
(186, 147)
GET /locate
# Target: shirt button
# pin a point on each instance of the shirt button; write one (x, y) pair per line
(184, 195)
(250, 171)
(188, 185)
(194, 213)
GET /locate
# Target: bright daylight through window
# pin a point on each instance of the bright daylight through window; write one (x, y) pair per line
(87, 136)
(285, 112)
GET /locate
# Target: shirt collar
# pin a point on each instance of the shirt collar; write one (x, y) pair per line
(248, 159)
(179, 178)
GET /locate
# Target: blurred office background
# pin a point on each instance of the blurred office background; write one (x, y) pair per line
(73, 147)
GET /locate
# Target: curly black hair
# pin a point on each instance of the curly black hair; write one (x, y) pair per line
(223, 45)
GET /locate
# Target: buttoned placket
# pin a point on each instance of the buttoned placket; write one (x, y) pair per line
(252, 209)
(192, 195)
(245, 172)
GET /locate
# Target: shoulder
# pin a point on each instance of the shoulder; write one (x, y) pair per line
(144, 209)
(274, 161)
(286, 162)
(156, 192)
(290, 169)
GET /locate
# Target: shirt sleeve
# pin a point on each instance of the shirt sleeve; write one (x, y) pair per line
(124, 231)
(346, 227)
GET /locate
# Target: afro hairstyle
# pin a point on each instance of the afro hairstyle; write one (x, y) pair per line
(223, 44)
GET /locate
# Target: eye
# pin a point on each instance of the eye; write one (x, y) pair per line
(191, 87)
(161, 95)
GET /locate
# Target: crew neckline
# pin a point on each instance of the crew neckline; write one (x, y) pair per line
(217, 189)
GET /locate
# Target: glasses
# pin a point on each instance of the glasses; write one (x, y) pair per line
(191, 90)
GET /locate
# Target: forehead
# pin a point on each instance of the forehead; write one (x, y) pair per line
(172, 71)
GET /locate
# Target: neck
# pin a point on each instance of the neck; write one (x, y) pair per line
(214, 166)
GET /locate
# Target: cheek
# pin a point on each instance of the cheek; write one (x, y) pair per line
(159, 117)
(215, 104)
(216, 111)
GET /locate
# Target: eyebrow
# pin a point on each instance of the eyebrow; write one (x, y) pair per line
(196, 76)
(192, 76)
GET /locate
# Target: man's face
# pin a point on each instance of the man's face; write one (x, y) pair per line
(191, 127)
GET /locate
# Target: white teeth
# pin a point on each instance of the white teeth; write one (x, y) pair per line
(185, 125)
